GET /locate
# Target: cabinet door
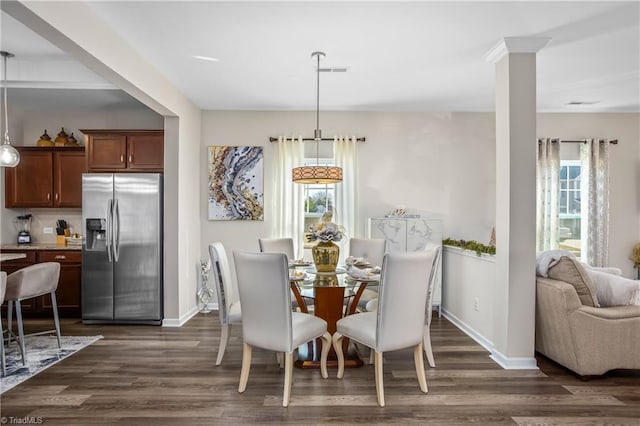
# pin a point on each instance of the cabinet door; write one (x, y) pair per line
(30, 184)
(106, 152)
(145, 152)
(68, 170)
(69, 284)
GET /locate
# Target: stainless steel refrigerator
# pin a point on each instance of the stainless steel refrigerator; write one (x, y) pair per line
(122, 248)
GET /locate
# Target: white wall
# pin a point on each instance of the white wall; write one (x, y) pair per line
(431, 162)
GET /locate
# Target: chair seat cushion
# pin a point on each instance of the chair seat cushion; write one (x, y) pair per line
(359, 327)
(235, 313)
(306, 327)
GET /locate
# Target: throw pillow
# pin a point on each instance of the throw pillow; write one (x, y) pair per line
(613, 290)
(571, 271)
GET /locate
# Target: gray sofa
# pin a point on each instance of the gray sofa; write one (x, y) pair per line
(585, 339)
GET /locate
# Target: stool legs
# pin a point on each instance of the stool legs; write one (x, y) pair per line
(2, 361)
(20, 331)
(54, 306)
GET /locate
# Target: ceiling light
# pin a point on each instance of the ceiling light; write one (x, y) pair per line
(9, 156)
(317, 174)
(206, 58)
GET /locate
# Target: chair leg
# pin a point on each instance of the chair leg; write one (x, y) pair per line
(326, 345)
(2, 361)
(246, 366)
(224, 338)
(280, 359)
(288, 375)
(426, 342)
(56, 319)
(371, 356)
(337, 346)
(9, 321)
(21, 332)
(379, 379)
(417, 358)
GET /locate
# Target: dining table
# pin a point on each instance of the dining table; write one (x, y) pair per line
(334, 295)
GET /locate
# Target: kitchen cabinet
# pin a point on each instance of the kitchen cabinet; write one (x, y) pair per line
(46, 177)
(125, 150)
(68, 293)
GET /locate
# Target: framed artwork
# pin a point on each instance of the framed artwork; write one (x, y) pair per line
(236, 187)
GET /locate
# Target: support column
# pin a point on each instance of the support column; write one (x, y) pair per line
(514, 291)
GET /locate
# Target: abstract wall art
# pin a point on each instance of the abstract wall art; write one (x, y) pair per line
(236, 189)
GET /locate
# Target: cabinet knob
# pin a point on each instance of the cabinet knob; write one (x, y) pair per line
(122, 158)
(57, 197)
(60, 256)
(48, 196)
(130, 158)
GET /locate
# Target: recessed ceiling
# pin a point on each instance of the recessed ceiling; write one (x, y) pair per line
(400, 56)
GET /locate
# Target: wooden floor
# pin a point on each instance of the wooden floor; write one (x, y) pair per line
(146, 375)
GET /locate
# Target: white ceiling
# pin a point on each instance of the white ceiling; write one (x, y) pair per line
(400, 56)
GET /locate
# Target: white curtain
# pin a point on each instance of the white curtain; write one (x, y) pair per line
(345, 153)
(594, 206)
(547, 192)
(288, 197)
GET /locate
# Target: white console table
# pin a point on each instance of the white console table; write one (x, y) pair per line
(410, 234)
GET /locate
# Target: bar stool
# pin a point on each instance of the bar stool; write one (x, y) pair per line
(26, 283)
(3, 287)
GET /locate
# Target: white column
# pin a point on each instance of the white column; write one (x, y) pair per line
(514, 292)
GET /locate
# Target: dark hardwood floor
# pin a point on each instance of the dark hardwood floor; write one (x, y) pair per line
(150, 375)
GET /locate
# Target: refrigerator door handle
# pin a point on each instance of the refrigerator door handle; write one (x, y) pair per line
(116, 231)
(109, 229)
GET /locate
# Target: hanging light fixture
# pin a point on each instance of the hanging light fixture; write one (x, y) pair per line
(317, 174)
(9, 156)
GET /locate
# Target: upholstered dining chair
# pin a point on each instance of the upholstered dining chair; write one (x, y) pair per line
(267, 319)
(229, 310)
(436, 249)
(278, 245)
(26, 283)
(372, 249)
(400, 318)
(3, 288)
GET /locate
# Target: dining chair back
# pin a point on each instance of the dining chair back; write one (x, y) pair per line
(268, 322)
(3, 288)
(399, 320)
(26, 283)
(229, 310)
(436, 249)
(278, 245)
(372, 249)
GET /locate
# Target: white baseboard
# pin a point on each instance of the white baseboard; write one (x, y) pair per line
(468, 330)
(507, 363)
(179, 322)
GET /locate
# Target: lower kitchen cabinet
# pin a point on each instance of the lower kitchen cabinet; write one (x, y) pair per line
(68, 293)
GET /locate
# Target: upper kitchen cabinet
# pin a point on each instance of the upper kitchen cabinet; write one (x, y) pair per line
(125, 150)
(46, 177)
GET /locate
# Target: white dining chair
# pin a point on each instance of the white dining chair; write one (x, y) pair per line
(229, 310)
(436, 249)
(399, 321)
(278, 245)
(373, 250)
(26, 283)
(268, 322)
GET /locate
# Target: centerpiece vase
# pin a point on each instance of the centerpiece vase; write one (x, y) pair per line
(325, 256)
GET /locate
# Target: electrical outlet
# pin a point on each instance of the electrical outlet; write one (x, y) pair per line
(47, 230)
(476, 304)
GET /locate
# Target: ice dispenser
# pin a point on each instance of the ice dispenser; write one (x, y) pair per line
(96, 234)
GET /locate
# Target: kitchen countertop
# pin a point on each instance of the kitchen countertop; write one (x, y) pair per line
(11, 256)
(36, 246)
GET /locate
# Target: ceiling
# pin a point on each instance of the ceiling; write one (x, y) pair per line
(409, 56)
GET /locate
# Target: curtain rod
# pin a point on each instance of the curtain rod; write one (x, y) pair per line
(361, 139)
(613, 141)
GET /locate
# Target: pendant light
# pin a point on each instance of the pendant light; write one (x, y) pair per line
(9, 156)
(317, 174)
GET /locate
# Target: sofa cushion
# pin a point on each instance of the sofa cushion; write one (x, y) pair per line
(614, 290)
(570, 271)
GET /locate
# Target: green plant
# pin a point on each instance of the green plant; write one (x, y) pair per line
(479, 248)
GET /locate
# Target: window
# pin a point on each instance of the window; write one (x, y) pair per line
(569, 209)
(318, 199)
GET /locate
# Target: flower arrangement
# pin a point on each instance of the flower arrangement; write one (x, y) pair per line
(325, 231)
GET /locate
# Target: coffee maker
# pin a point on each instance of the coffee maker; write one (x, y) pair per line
(24, 225)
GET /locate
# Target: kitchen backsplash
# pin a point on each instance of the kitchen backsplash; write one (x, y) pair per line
(41, 219)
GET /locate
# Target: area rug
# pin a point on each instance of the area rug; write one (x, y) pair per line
(42, 353)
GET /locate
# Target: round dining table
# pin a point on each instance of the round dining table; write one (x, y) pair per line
(334, 295)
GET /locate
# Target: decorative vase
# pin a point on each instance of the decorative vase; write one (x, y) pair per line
(205, 294)
(325, 256)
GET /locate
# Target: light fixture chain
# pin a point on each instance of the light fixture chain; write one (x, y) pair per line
(6, 114)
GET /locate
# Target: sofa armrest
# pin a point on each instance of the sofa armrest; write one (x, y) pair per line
(613, 312)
